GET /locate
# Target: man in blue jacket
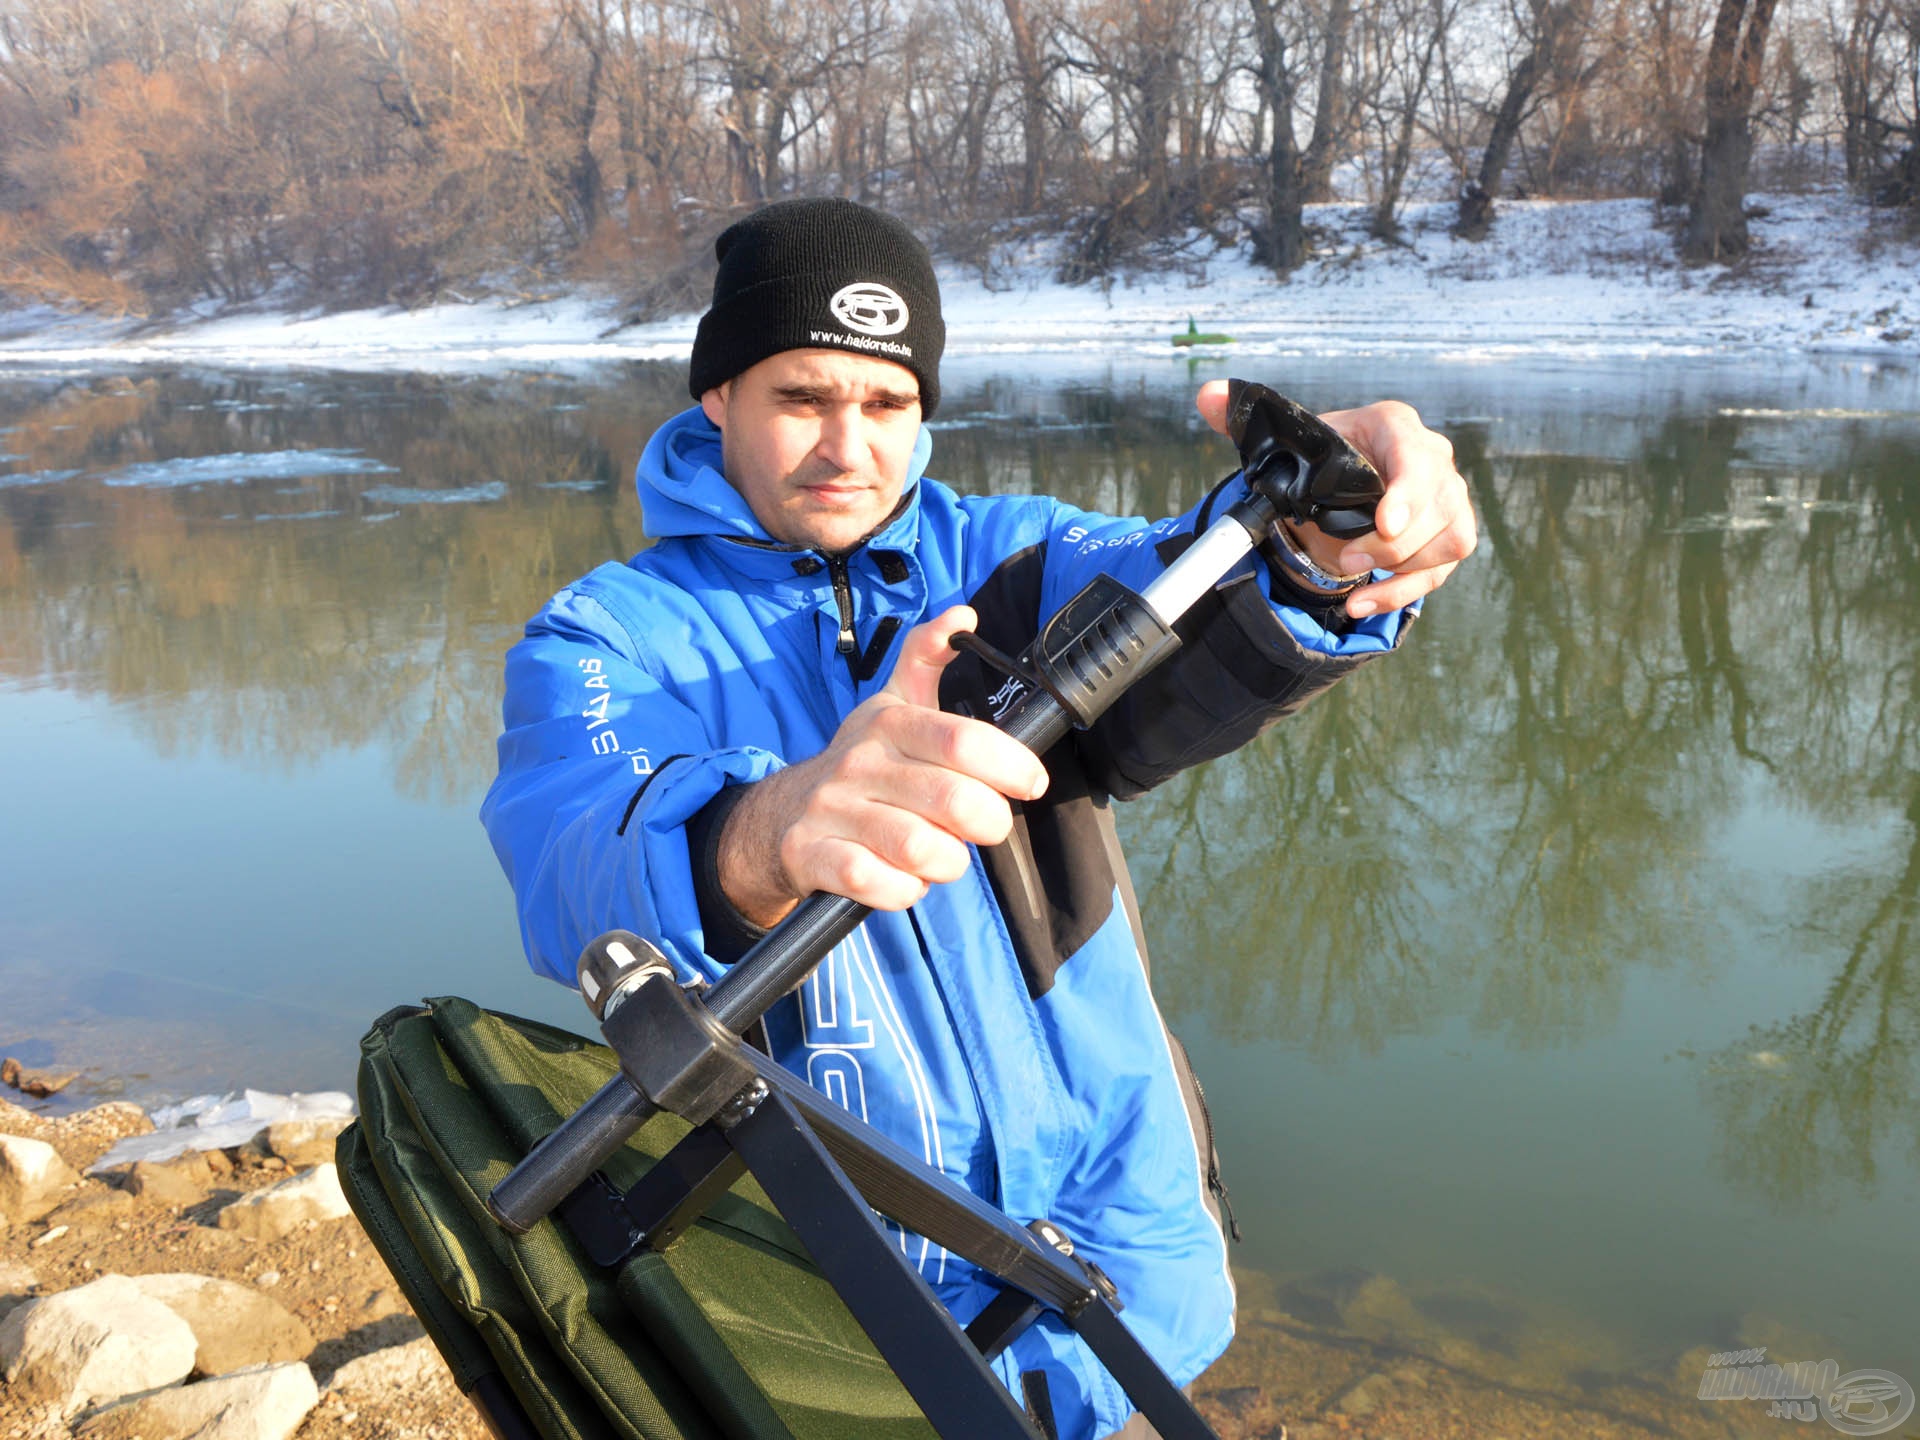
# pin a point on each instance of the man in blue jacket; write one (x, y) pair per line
(764, 703)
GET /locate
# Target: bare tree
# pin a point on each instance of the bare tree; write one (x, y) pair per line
(1875, 46)
(1034, 67)
(1549, 34)
(1298, 174)
(1404, 39)
(1717, 218)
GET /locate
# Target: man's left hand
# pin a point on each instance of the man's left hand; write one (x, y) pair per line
(1423, 526)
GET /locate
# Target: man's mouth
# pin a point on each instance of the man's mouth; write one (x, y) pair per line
(835, 492)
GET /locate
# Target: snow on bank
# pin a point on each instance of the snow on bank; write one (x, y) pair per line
(1575, 280)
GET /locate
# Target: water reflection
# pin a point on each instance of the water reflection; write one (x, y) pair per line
(1807, 1107)
(1560, 743)
(280, 641)
(1585, 789)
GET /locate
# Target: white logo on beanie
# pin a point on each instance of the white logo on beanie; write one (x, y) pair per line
(870, 308)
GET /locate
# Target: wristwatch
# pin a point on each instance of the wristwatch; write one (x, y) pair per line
(1300, 568)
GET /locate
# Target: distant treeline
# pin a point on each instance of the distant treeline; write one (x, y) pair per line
(350, 151)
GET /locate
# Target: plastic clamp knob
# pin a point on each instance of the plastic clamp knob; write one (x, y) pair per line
(611, 964)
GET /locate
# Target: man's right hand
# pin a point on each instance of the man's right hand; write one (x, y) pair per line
(890, 806)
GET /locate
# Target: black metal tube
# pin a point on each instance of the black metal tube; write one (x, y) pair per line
(584, 1142)
(788, 952)
(784, 957)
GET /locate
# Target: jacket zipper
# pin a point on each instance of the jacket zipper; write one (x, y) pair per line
(843, 601)
(1214, 1182)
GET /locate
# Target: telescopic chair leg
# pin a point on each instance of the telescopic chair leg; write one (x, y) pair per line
(908, 1325)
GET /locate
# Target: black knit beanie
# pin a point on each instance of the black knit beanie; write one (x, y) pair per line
(820, 273)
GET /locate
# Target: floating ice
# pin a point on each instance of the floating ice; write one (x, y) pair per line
(572, 485)
(1816, 414)
(36, 477)
(1720, 524)
(463, 495)
(233, 468)
(299, 515)
(216, 1122)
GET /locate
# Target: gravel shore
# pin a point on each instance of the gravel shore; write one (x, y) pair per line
(1307, 1365)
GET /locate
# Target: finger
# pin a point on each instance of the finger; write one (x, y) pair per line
(1400, 591)
(845, 867)
(1440, 533)
(971, 747)
(958, 805)
(1414, 462)
(925, 653)
(1385, 431)
(909, 844)
(1212, 404)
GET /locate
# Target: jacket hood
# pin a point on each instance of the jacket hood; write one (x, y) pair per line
(683, 492)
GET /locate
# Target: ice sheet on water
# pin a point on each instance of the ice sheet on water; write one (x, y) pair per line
(462, 495)
(299, 515)
(572, 485)
(36, 477)
(216, 1122)
(1712, 524)
(1815, 414)
(233, 468)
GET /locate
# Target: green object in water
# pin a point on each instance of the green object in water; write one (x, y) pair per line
(1195, 337)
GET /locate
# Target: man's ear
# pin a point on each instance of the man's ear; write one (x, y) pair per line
(714, 403)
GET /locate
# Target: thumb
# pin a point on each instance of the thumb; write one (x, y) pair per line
(1211, 402)
(924, 654)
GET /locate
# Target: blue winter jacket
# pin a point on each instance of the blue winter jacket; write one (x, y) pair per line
(1002, 1028)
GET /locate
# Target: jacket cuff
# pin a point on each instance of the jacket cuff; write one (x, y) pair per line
(726, 933)
(1328, 612)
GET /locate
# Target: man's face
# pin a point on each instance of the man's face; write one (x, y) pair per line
(817, 443)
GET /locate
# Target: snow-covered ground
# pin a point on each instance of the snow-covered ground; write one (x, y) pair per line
(1593, 279)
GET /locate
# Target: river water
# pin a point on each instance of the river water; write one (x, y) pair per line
(1556, 982)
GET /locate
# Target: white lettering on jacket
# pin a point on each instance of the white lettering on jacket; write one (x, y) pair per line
(845, 1006)
(599, 695)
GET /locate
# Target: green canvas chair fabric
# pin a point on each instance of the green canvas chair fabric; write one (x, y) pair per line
(729, 1334)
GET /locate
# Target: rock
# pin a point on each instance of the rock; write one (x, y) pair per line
(1690, 1367)
(282, 1208)
(180, 1182)
(236, 1326)
(98, 1342)
(306, 1142)
(98, 1127)
(17, 1281)
(93, 1209)
(1364, 1398)
(17, 1121)
(398, 1367)
(33, 1179)
(38, 1083)
(265, 1402)
(47, 1239)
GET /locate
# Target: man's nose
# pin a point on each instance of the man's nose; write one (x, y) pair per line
(841, 440)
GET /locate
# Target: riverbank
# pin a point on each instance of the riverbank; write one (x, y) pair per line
(1568, 279)
(1328, 1357)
